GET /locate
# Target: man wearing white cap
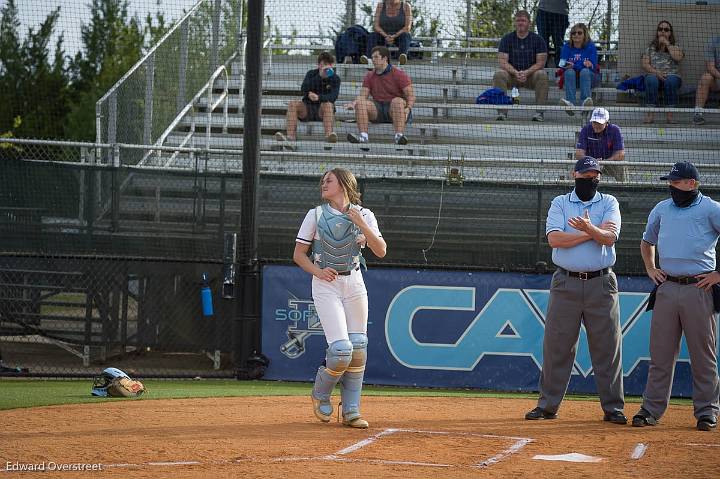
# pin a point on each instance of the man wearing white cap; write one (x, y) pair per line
(603, 141)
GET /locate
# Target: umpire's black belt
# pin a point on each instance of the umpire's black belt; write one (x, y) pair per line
(586, 275)
(682, 279)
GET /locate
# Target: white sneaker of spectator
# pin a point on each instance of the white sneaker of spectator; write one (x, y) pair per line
(564, 102)
(286, 143)
(400, 139)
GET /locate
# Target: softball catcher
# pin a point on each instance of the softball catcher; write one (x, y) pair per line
(337, 230)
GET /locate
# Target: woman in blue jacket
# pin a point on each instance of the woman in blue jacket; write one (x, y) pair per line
(580, 60)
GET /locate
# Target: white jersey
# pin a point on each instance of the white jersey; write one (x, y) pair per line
(342, 304)
(308, 229)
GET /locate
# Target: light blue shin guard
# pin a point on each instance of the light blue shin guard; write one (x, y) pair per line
(352, 380)
(337, 359)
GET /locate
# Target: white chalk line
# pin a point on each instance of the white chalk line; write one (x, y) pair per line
(337, 457)
(218, 462)
(517, 446)
(333, 458)
(639, 451)
(364, 442)
(507, 452)
(702, 445)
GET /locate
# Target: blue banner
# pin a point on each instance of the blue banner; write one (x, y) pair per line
(451, 329)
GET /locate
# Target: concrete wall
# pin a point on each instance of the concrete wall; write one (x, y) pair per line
(693, 26)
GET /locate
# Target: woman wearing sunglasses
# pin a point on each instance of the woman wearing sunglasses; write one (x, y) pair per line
(661, 61)
(580, 60)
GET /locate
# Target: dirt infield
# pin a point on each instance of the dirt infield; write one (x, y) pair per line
(408, 437)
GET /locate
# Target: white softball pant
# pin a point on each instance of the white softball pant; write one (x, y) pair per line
(341, 305)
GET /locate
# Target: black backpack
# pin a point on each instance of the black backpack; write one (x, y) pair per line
(351, 43)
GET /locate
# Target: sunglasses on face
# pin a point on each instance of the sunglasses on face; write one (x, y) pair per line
(577, 33)
(664, 29)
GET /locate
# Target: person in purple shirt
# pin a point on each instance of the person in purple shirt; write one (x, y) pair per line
(580, 60)
(603, 141)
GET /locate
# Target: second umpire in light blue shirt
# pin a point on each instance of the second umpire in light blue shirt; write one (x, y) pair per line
(685, 229)
(582, 228)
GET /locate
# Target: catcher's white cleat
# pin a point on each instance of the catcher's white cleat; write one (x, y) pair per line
(323, 409)
(355, 420)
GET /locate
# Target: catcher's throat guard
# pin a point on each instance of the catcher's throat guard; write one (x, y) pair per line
(115, 383)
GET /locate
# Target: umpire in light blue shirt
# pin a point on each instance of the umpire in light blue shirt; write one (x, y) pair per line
(684, 229)
(582, 228)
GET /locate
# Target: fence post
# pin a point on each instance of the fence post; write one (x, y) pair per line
(115, 189)
(468, 23)
(539, 216)
(349, 13)
(90, 200)
(221, 205)
(182, 70)
(149, 85)
(112, 118)
(247, 320)
(215, 37)
(240, 32)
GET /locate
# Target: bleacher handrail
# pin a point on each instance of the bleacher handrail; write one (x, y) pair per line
(190, 107)
(290, 154)
(178, 40)
(437, 41)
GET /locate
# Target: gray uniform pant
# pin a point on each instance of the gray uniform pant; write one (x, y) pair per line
(682, 308)
(595, 303)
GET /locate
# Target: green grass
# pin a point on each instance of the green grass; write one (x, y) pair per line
(21, 393)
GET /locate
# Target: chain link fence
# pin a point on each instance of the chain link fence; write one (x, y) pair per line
(104, 243)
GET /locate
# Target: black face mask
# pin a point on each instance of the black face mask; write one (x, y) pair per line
(585, 188)
(681, 198)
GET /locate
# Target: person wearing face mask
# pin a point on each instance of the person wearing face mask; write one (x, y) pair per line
(684, 229)
(320, 90)
(603, 141)
(582, 228)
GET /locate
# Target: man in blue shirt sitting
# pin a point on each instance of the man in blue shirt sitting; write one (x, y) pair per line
(582, 228)
(522, 55)
(685, 229)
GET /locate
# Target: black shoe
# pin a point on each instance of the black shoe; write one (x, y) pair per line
(615, 417)
(706, 423)
(540, 413)
(643, 418)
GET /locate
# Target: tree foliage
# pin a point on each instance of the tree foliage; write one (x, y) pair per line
(54, 95)
(34, 75)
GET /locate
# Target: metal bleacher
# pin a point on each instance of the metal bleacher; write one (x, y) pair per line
(447, 124)
(510, 169)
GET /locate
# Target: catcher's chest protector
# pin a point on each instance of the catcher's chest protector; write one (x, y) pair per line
(337, 247)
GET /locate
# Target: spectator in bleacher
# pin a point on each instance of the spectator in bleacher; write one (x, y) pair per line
(710, 80)
(603, 141)
(393, 20)
(392, 98)
(579, 58)
(552, 21)
(661, 61)
(522, 56)
(320, 89)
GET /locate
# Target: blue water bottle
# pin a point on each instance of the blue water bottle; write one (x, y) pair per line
(206, 297)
